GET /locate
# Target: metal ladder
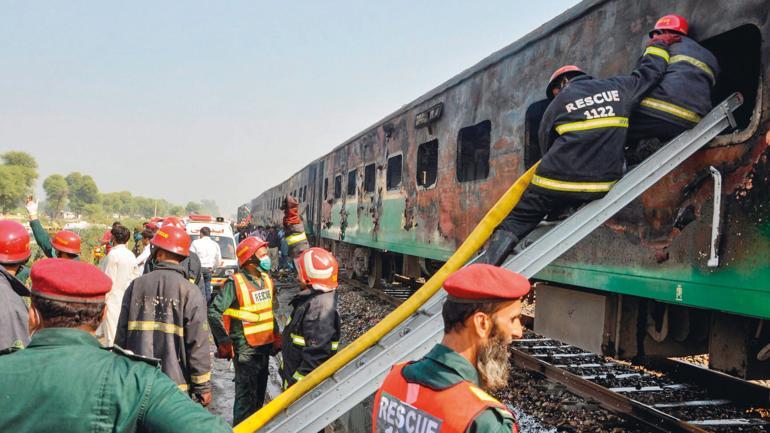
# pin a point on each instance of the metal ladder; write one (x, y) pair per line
(419, 333)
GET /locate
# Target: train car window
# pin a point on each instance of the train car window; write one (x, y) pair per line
(338, 186)
(427, 163)
(532, 150)
(304, 193)
(738, 54)
(352, 181)
(473, 152)
(393, 176)
(326, 188)
(369, 178)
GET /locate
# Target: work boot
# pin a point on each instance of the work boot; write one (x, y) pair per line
(500, 246)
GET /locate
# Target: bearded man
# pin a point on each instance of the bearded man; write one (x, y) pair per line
(442, 392)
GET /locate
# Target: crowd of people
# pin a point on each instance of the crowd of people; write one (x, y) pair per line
(126, 346)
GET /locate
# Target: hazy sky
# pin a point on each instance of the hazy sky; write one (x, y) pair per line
(186, 100)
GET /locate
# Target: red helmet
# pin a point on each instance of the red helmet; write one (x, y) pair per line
(173, 221)
(318, 268)
(247, 248)
(172, 239)
(672, 22)
(14, 242)
(557, 74)
(66, 241)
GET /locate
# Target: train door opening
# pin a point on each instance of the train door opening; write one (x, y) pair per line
(738, 53)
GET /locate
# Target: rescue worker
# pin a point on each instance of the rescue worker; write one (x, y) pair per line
(683, 96)
(294, 229)
(443, 391)
(65, 382)
(191, 264)
(583, 136)
(163, 316)
(14, 252)
(313, 333)
(242, 322)
(65, 244)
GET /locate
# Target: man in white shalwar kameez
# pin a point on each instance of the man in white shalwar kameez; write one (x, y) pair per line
(120, 265)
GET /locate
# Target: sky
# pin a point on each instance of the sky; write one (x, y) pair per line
(186, 100)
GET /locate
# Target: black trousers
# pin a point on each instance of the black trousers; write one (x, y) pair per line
(534, 205)
(643, 127)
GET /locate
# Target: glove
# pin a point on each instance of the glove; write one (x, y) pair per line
(225, 351)
(667, 38)
(32, 208)
(204, 398)
(277, 345)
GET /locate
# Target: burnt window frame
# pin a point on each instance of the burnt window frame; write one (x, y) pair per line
(370, 182)
(532, 120)
(388, 184)
(466, 138)
(352, 179)
(326, 188)
(417, 173)
(338, 186)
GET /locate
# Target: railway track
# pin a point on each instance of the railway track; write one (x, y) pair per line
(672, 397)
(664, 395)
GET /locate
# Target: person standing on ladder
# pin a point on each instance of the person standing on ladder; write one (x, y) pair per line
(582, 136)
(294, 229)
(443, 391)
(682, 97)
(241, 318)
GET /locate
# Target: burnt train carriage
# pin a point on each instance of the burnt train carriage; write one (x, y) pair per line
(406, 191)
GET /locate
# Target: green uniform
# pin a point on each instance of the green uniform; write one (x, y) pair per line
(42, 238)
(441, 368)
(23, 275)
(65, 382)
(250, 362)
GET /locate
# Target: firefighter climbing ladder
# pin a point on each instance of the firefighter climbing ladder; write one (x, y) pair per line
(413, 338)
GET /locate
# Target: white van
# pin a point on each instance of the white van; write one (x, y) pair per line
(222, 233)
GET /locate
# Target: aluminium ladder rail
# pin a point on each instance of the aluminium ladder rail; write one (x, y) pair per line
(414, 337)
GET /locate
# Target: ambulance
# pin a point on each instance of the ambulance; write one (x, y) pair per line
(222, 234)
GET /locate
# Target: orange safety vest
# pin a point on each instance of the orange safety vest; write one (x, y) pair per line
(401, 407)
(255, 310)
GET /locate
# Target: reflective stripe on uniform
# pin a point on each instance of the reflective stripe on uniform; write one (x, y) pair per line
(602, 122)
(335, 345)
(298, 340)
(560, 185)
(168, 328)
(256, 329)
(184, 387)
(202, 378)
(297, 376)
(655, 51)
(697, 63)
(248, 316)
(296, 237)
(675, 110)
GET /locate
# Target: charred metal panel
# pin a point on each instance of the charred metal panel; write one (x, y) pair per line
(657, 247)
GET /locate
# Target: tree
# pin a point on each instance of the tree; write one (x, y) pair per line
(209, 207)
(193, 207)
(176, 210)
(82, 191)
(56, 190)
(17, 177)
